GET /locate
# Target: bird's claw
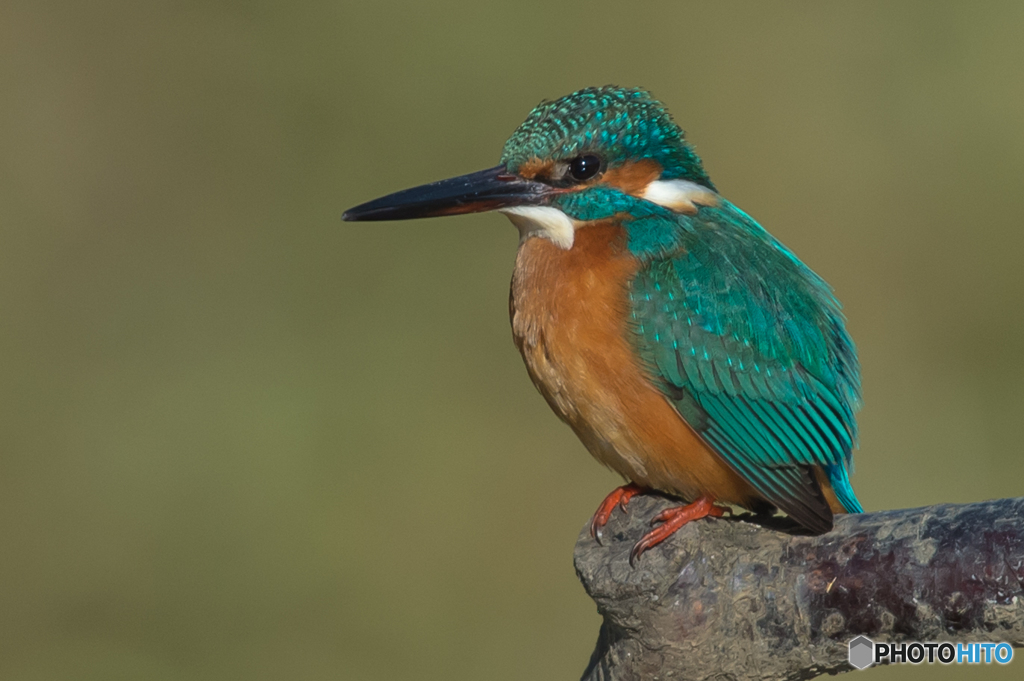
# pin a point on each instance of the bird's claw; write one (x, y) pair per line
(620, 497)
(671, 519)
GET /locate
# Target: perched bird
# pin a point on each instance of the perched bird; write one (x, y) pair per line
(689, 350)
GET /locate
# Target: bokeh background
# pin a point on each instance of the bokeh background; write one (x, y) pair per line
(240, 439)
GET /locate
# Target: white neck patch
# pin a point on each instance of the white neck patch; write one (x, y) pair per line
(543, 221)
(682, 196)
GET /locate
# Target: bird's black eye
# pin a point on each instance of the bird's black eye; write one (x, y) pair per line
(584, 167)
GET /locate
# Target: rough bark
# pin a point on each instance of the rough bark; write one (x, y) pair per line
(731, 599)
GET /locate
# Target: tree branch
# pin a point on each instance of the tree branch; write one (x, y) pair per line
(725, 599)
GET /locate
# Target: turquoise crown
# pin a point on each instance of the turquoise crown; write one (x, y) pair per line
(619, 124)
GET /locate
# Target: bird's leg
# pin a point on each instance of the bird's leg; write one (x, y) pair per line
(672, 519)
(619, 496)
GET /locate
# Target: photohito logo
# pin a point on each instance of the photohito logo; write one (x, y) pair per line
(864, 652)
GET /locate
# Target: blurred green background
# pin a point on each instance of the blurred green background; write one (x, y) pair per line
(240, 439)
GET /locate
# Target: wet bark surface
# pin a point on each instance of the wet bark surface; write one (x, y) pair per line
(733, 599)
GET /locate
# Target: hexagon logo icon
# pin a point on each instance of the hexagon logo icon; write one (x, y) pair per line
(862, 652)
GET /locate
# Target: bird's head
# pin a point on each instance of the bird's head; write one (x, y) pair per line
(588, 156)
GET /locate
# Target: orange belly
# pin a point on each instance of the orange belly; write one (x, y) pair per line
(569, 311)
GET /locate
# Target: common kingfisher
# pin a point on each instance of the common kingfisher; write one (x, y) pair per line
(689, 350)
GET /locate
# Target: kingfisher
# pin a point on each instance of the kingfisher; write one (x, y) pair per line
(688, 349)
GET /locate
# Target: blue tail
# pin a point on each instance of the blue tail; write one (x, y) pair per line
(839, 477)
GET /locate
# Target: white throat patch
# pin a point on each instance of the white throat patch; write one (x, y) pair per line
(682, 196)
(543, 221)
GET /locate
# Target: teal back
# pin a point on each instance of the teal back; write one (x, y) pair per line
(751, 346)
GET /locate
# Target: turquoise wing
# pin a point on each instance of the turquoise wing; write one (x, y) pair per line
(751, 347)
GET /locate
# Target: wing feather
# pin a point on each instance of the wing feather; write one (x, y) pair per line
(751, 346)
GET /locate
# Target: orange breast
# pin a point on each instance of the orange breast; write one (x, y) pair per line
(569, 311)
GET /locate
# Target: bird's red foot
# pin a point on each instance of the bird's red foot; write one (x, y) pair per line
(672, 519)
(619, 496)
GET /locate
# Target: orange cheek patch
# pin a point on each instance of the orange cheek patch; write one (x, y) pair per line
(536, 167)
(633, 178)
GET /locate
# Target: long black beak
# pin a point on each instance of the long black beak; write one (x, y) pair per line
(474, 193)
